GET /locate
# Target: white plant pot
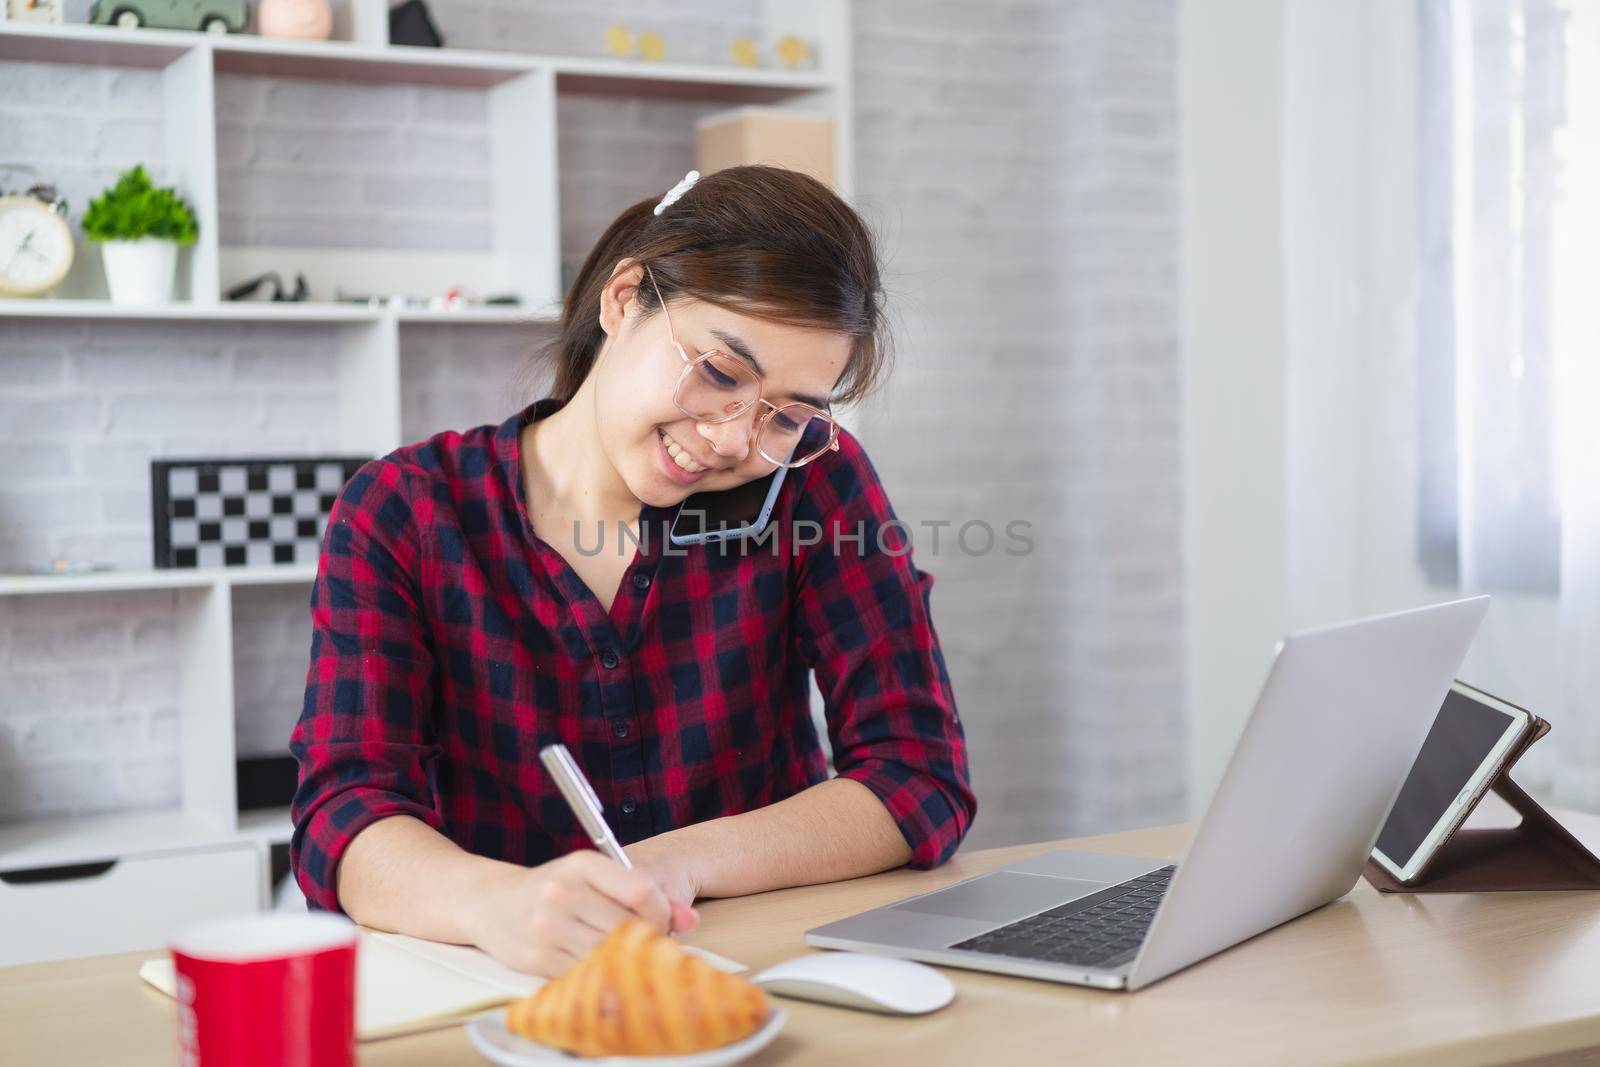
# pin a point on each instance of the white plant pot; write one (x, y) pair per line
(142, 271)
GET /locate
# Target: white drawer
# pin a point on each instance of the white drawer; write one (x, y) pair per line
(138, 902)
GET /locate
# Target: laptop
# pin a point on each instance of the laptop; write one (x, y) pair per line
(1339, 721)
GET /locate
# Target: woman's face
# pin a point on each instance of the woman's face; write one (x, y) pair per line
(638, 368)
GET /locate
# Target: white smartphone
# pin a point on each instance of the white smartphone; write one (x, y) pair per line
(1471, 738)
(742, 511)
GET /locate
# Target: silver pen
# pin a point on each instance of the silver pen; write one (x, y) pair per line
(581, 798)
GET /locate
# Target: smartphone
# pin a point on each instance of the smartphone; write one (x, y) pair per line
(742, 511)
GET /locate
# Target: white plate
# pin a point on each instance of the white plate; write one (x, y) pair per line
(489, 1035)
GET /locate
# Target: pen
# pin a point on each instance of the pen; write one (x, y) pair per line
(580, 796)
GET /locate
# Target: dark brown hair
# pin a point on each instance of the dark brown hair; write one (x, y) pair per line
(759, 240)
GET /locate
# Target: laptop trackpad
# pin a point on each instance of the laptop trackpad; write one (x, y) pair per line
(1002, 896)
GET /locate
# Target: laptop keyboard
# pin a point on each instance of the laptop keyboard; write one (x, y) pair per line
(1103, 929)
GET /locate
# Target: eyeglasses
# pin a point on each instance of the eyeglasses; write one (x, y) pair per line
(716, 387)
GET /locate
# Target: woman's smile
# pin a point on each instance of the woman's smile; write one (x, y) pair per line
(679, 465)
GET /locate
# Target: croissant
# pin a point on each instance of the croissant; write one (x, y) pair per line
(638, 993)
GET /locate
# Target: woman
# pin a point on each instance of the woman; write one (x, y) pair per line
(463, 618)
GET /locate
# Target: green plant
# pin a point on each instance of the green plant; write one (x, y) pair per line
(135, 208)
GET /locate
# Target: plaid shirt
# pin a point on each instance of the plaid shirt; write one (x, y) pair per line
(449, 644)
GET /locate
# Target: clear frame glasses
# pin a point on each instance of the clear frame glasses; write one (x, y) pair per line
(717, 387)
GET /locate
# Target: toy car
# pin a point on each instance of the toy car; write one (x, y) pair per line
(209, 16)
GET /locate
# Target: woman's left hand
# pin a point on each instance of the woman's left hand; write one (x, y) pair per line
(671, 870)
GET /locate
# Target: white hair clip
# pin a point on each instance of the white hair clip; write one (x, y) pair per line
(677, 191)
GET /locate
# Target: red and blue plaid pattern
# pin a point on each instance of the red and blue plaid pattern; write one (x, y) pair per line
(449, 644)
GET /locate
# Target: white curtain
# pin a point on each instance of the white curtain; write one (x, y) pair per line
(1576, 776)
(1441, 181)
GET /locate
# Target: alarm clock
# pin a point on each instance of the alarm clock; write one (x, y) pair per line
(36, 247)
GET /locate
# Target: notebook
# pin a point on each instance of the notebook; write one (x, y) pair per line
(405, 985)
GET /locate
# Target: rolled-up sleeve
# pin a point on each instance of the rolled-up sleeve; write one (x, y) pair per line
(865, 626)
(363, 741)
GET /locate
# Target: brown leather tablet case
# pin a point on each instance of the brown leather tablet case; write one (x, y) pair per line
(1538, 853)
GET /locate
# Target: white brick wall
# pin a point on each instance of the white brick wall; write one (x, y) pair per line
(1019, 159)
(88, 703)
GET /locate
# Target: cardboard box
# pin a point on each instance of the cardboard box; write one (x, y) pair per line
(797, 140)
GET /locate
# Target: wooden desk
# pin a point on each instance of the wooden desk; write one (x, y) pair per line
(1436, 980)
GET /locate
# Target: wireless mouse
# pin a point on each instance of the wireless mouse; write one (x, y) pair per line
(857, 980)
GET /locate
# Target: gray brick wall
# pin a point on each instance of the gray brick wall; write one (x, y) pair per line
(614, 151)
(271, 648)
(84, 407)
(456, 377)
(328, 164)
(88, 703)
(1020, 160)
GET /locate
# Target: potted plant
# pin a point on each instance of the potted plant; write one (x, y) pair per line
(139, 228)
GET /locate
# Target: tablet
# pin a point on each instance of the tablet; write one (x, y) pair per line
(1471, 738)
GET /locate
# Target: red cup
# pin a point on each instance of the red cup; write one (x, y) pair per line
(271, 990)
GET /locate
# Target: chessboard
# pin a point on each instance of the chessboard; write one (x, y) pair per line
(244, 512)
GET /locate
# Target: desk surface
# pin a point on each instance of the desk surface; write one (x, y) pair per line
(1434, 979)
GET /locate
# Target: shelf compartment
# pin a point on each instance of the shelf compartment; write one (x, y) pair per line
(453, 377)
(175, 105)
(371, 234)
(272, 628)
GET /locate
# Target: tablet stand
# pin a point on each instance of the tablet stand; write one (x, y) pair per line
(1536, 854)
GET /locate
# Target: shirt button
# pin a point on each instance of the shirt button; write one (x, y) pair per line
(609, 658)
(641, 582)
(629, 805)
(619, 727)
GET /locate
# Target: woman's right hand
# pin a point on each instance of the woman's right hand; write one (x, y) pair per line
(542, 920)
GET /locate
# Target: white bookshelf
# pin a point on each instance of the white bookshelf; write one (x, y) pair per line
(522, 91)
